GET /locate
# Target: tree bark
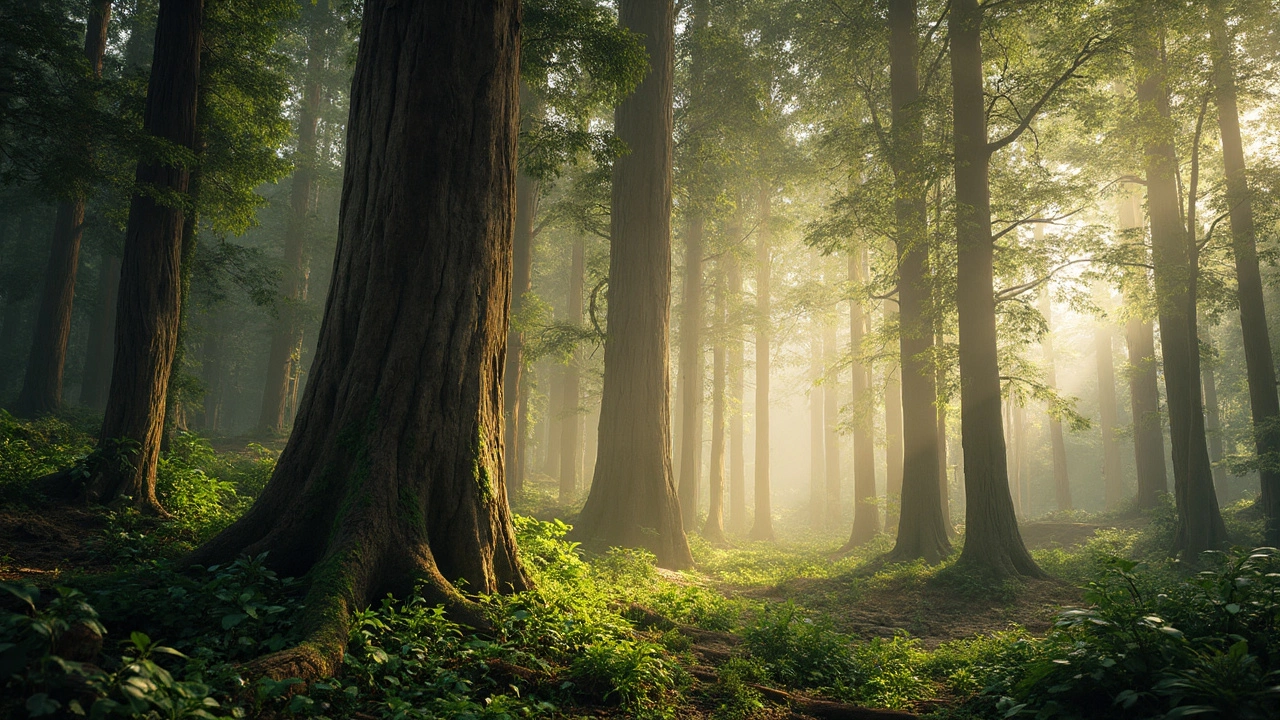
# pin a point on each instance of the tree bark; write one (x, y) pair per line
(1213, 428)
(393, 471)
(922, 530)
(992, 541)
(286, 336)
(892, 429)
(42, 387)
(866, 516)
(713, 529)
(149, 311)
(570, 435)
(691, 369)
(1061, 481)
(633, 499)
(1111, 476)
(1259, 363)
(762, 528)
(97, 357)
(1200, 524)
(737, 361)
(1144, 397)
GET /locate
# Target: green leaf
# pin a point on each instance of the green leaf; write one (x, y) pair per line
(41, 704)
(232, 620)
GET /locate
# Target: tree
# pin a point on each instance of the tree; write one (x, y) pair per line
(1173, 253)
(1253, 316)
(1061, 482)
(691, 371)
(570, 433)
(393, 472)
(762, 527)
(830, 425)
(42, 387)
(736, 363)
(1111, 478)
(713, 529)
(633, 502)
(866, 515)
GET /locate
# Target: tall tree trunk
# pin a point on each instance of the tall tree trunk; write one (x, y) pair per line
(762, 528)
(691, 369)
(393, 472)
(97, 357)
(713, 529)
(149, 312)
(553, 421)
(943, 490)
(214, 374)
(570, 450)
(817, 438)
(922, 530)
(737, 361)
(1144, 399)
(286, 336)
(992, 541)
(892, 429)
(866, 516)
(1061, 482)
(1111, 475)
(515, 393)
(1253, 317)
(830, 425)
(1213, 428)
(42, 386)
(1200, 524)
(633, 499)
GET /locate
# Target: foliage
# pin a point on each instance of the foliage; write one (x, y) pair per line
(30, 449)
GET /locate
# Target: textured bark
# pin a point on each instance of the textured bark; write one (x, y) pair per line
(633, 496)
(149, 310)
(514, 391)
(1061, 481)
(96, 375)
(922, 529)
(992, 541)
(817, 438)
(42, 387)
(866, 516)
(1213, 427)
(691, 370)
(393, 474)
(1174, 259)
(1111, 475)
(1259, 363)
(285, 350)
(713, 528)
(830, 428)
(762, 527)
(1144, 399)
(736, 350)
(570, 433)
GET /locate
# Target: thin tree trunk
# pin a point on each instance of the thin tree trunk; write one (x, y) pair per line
(149, 312)
(866, 516)
(97, 357)
(830, 424)
(633, 499)
(42, 387)
(553, 421)
(943, 490)
(286, 335)
(817, 438)
(922, 530)
(691, 369)
(1061, 481)
(737, 361)
(892, 430)
(393, 474)
(1213, 428)
(992, 541)
(570, 450)
(1111, 474)
(1259, 363)
(1200, 524)
(713, 529)
(1144, 398)
(214, 374)
(762, 528)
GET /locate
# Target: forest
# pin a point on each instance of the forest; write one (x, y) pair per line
(721, 359)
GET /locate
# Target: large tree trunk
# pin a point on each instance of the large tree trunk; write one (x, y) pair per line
(1061, 482)
(830, 426)
(1111, 477)
(992, 541)
(713, 529)
(515, 392)
(817, 438)
(393, 472)
(570, 432)
(922, 531)
(1253, 317)
(149, 311)
(762, 528)
(866, 516)
(102, 327)
(633, 497)
(1213, 427)
(42, 386)
(691, 369)
(737, 358)
(286, 336)
(1200, 524)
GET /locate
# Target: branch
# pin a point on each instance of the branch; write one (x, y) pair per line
(1016, 290)
(1089, 50)
(1212, 226)
(1032, 219)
